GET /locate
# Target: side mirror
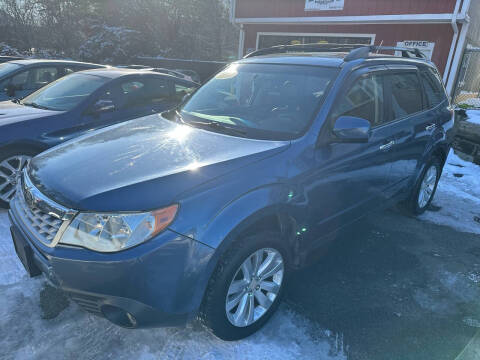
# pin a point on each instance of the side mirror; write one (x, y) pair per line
(351, 129)
(10, 90)
(102, 106)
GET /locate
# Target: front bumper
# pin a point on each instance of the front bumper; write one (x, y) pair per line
(159, 283)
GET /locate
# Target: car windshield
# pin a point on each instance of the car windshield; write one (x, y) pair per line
(7, 68)
(261, 101)
(65, 93)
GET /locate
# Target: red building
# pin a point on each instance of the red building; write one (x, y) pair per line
(440, 28)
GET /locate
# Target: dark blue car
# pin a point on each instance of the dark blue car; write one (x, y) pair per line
(20, 78)
(203, 211)
(76, 104)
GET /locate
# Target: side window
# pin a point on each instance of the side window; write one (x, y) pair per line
(182, 90)
(364, 100)
(132, 93)
(67, 70)
(20, 81)
(43, 76)
(145, 92)
(433, 88)
(157, 91)
(106, 94)
(407, 94)
(4, 84)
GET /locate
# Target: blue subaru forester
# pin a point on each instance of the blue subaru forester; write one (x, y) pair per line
(201, 212)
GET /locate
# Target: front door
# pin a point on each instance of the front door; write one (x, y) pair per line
(348, 179)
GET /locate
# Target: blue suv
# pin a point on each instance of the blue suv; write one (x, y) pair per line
(202, 211)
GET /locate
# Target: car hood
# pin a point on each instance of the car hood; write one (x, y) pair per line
(11, 112)
(140, 165)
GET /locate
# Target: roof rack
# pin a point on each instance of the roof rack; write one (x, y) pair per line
(364, 51)
(356, 51)
(283, 49)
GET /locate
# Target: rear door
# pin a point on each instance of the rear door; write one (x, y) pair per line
(411, 123)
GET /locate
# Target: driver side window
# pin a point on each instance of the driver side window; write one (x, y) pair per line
(364, 99)
(106, 96)
(20, 80)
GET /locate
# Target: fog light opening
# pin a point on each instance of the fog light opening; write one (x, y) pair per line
(119, 316)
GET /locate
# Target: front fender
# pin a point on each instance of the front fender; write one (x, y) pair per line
(269, 202)
(246, 209)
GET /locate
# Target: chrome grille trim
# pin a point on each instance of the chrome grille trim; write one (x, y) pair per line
(45, 220)
(34, 198)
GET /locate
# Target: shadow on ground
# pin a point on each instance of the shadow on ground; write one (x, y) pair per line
(396, 288)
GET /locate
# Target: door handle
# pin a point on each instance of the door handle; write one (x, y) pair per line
(388, 146)
(430, 127)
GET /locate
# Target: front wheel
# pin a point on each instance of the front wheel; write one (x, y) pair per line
(246, 287)
(11, 166)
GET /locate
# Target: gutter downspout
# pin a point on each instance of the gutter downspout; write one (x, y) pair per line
(460, 48)
(454, 41)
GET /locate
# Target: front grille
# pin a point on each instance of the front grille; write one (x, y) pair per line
(41, 225)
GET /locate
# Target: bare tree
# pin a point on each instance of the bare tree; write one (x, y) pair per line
(22, 20)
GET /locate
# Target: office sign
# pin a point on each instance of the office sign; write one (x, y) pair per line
(320, 5)
(424, 46)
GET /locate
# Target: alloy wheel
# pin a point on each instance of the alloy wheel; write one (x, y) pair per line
(254, 288)
(427, 187)
(10, 173)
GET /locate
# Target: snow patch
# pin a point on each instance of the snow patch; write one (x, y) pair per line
(474, 115)
(458, 197)
(11, 269)
(474, 102)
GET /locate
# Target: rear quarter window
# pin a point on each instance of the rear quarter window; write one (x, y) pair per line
(433, 87)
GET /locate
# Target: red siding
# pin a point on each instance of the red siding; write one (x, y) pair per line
(296, 8)
(441, 35)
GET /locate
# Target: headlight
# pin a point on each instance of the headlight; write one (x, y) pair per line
(115, 232)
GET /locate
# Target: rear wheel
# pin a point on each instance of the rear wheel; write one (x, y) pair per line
(12, 163)
(424, 191)
(246, 287)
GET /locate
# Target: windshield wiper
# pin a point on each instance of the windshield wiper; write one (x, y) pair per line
(215, 125)
(16, 101)
(36, 106)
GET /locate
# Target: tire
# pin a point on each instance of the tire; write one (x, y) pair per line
(414, 204)
(12, 158)
(214, 314)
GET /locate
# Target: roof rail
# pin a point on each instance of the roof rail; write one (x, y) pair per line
(356, 51)
(283, 49)
(364, 52)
